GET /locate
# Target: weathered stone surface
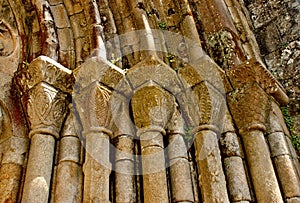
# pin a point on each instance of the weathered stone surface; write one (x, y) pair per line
(249, 106)
(278, 144)
(60, 16)
(68, 31)
(211, 176)
(38, 176)
(236, 179)
(15, 149)
(10, 178)
(69, 149)
(69, 182)
(287, 176)
(254, 71)
(230, 144)
(262, 172)
(153, 69)
(44, 69)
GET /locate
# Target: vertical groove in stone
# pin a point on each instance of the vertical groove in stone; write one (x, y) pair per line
(211, 177)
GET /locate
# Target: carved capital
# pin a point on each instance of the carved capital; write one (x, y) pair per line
(44, 69)
(254, 71)
(94, 108)
(44, 85)
(250, 107)
(211, 104)
(45, 109)
(152, 106)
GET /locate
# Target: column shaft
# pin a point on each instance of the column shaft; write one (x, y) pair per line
(39, 169)
(180, 174)
(154, 169)
(262, 172)
(211, 176)
(96, 168)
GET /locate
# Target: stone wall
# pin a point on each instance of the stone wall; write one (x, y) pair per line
(277, 28)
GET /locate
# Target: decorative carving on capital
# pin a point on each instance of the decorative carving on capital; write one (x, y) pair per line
(212, 106)
(152, 106)
(44, 69)
(94, 108)
(250, 106)
(254, 71)
(45, 109)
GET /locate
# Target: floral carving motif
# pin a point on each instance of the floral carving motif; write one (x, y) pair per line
(46, 108)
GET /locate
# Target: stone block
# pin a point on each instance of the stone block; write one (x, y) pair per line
(10, 175)
(259, 13)
(153, 69)
(60, 16)
(269, 38)
(72, 7)
(65, 38)
(79, 25)
(55, 2)
(67, 59)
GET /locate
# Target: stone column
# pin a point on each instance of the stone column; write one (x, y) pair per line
(233, 155)
(93, 106)
(69, 176)
(180, 173)
(151, 111)
(249, 106)
(124, 151)
(281, 155)
(211, 179)
(42, 86)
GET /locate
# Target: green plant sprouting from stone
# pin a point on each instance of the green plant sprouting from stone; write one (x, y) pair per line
(162, 25)
(295, 138)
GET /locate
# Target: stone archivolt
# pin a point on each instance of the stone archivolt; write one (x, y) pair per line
(165, 130)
